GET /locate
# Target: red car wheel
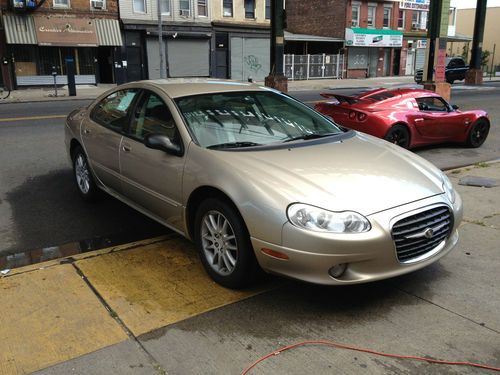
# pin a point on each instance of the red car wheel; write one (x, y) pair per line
(478, 133)
(399, 135)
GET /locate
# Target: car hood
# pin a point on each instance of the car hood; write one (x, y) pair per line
(361, 173)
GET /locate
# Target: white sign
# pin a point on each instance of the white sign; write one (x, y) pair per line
(373, 39)
(415, 4)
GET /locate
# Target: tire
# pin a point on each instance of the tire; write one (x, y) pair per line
(224, 244)
(84, 180)
(478, 133)
(399, 135)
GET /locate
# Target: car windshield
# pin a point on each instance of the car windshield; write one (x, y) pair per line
(245, 119)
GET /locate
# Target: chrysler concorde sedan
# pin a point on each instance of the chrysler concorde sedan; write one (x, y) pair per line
(259, 180)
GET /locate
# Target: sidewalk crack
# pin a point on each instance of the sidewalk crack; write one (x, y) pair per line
(482, 325)
(154, 363)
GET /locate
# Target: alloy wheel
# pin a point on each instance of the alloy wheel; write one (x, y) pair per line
(82, 174)
(219, 242)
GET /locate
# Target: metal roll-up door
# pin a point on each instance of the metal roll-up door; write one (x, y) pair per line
(153, 58)
(420, 58)
(249, 58)
(189, 58)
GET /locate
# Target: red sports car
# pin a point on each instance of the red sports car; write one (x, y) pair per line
(407, 117)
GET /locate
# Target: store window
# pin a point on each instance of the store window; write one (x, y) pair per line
(249, 8)
(139, 6)
(227, 8)
(165, 7)
(355, 14)
(185, 7)
(25, 60)
(370, 19)
(202, 8)
(401, 19)
(386, 23)
(61, 4)
(268, 9)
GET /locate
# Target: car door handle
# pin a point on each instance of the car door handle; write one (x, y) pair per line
(86, 131)
(126, 148)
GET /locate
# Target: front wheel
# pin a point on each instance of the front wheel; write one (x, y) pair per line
(399, 135)
(478, 133)
(224, 244)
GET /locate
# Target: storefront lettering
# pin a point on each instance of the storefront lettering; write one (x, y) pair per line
(67, 29)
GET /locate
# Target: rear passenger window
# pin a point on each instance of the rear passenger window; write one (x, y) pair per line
(112, 111)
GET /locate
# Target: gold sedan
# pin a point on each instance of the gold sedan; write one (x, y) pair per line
(259, 180)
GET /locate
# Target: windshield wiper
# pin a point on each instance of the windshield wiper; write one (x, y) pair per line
(234, 145)
(309, 136)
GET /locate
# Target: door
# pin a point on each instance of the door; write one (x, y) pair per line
(387, 61)
(372, 68)
(410, 60)
(249, 58)
(434, 120)
(221, 55)
(152, 178)
(105, 64)
(134, 63)
(102, 134)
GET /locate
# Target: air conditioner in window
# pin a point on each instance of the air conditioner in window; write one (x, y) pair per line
(97, 4)
(184, 12)
(415, 26)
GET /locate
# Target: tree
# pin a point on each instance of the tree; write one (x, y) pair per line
(485, 56)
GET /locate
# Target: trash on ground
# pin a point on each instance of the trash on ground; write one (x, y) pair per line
(478, 181)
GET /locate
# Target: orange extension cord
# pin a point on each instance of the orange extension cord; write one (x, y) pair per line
(336, 345)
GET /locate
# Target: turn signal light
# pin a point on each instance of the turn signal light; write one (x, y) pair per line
(274, 253)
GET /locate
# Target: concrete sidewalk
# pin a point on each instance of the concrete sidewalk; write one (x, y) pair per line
(105, 312)
(91, 92)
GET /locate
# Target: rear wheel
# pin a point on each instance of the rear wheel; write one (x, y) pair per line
(478, 133)
(224, 244)
(399, 135)
(84, 180)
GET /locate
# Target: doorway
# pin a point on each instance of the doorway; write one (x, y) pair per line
(105, 64)
(373, 62)
(221, 55)
(396, 64)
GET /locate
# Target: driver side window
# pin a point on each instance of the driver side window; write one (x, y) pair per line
(152, 116)
(112, 111)
(432, 104)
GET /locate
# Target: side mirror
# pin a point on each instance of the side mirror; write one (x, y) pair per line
(455, 107)
(163, 143)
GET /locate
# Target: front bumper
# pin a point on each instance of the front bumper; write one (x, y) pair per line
(369, 256)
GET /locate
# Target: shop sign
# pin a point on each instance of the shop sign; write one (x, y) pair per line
(422, 43)
(359, 37)
(415, 5)
(65, 31)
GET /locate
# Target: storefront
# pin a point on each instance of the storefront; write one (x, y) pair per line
(373, 52)
(241, 51)
(413, 57)
(38, 46)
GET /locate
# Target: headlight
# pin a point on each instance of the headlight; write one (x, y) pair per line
(320, 220)
(448, 188)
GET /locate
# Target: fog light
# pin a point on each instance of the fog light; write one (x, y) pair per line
(338, 270)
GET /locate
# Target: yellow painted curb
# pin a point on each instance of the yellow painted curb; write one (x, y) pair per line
(158, 284)
(49, 316)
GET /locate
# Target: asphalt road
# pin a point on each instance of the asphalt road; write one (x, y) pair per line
(39, 206)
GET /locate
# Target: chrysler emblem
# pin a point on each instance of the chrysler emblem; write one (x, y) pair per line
(428, 233)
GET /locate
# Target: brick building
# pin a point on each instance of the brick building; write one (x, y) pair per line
(385, 38)
(38, 38)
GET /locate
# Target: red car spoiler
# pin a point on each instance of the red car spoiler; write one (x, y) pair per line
(343, 98)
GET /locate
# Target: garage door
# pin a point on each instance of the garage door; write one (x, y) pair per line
(249, 58)
(189, 58)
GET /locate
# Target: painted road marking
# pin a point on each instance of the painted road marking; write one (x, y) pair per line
(29, 118)
(158, 284)
(49, 316)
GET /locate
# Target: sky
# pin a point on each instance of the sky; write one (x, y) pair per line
(472, 3)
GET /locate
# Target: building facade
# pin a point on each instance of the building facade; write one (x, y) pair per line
(37, 41)
(385, 38)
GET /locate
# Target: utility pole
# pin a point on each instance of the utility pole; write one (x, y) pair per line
(475, 74)
(161, 47)
(276, 78)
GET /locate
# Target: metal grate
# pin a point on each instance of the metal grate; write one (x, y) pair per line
(419, 234)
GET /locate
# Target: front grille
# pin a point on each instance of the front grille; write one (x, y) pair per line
(409, 233)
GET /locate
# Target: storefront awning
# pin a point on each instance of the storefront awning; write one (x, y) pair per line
(19, 29)
(309, 38)
(359, 37)
(108, 32)
(458, 38)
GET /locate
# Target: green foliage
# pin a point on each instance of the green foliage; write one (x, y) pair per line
(485, 55)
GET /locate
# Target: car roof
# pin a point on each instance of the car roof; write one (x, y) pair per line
(187, 87)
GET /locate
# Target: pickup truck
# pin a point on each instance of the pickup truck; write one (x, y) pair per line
(455, 70)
